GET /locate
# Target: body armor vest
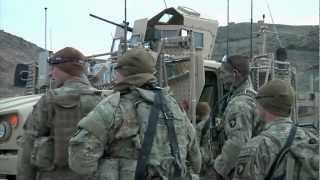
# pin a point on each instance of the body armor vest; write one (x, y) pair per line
(66, 111)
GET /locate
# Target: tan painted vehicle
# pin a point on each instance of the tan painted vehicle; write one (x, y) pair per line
(13, 113)
(183, 42)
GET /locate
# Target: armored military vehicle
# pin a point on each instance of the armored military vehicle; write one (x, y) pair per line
(183, 42)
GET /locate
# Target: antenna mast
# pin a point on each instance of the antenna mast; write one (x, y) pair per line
(50, 38)
(251, 29)
(165, 3)
(0, 14)
(274, 25)
(227, 51)
(45, 28)
(125, 26)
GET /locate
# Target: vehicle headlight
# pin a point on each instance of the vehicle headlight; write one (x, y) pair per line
(5, 130)
(2, 130)
(7, 124)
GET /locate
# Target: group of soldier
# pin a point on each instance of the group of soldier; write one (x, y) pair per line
(139, 131)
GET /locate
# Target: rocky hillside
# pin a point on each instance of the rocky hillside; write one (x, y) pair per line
(302, 42)
(13, 50)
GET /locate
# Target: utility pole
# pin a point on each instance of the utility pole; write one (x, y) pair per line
(45, 28)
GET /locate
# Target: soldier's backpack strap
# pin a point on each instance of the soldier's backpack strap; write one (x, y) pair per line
(143, 154)
(281, 153)
(173, 141)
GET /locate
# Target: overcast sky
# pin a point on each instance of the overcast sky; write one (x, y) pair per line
(69, 23)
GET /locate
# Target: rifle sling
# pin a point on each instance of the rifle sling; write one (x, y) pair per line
(173, 141)
(146, 147)
(281, 153)
(144, 153)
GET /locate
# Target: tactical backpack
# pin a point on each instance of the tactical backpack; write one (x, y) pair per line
(64, 113)
(301, 158)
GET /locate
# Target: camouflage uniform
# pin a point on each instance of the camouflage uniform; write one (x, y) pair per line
(54, 118)
(39, 125)
(257, 155)
(205, 150)
(110, 137)
(281, 150)
(240, 123)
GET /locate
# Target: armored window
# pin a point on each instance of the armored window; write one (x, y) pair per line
(210, 91)
(165, 18)
(115, 45)
(135, 39)
(198, 40)
(168, 33)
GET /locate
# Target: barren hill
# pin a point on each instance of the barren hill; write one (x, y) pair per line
(301, 42)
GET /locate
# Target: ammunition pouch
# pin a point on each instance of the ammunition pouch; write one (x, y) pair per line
(42, 153)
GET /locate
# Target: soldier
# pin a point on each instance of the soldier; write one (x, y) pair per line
(54, 119)
(121, 138)
(265, 156)
(240, 122)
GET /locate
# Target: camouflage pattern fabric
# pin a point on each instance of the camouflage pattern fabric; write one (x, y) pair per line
(258, 154)
(39, 125)
(110, 136)
(240, 123)
(205, 151)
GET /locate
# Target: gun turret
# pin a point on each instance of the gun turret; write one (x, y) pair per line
(111, 22)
